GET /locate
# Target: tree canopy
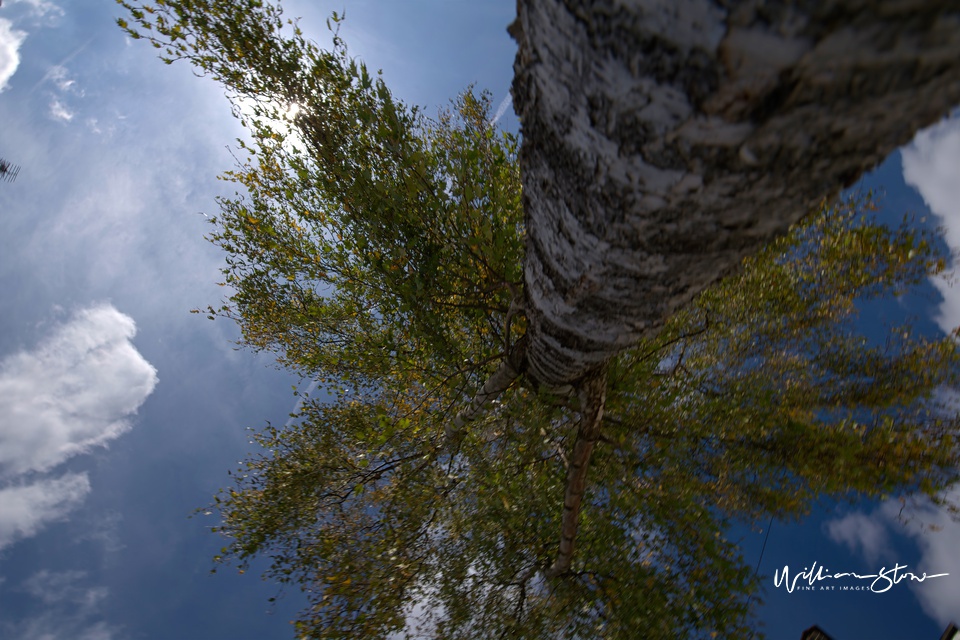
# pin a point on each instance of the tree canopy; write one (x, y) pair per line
(380, 253)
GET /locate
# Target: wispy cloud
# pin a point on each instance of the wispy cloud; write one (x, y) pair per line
(71, 608)
(63, 587)
(931, 165)
(502, 109)
(94, 125)
(59, 111)
(26, 509)
(76, 390)
(10, 41)
(41, 8)
(64, 85)
(60, 76)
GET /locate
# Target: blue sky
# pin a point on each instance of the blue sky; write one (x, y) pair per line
(120, 412)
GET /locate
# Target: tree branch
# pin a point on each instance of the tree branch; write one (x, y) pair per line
(592, 399)
(508, 371)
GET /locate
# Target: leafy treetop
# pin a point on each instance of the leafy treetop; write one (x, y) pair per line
(379, 252)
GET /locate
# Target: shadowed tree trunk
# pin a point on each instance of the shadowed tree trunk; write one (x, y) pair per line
(663, 141)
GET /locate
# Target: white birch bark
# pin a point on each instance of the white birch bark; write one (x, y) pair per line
(664, 140)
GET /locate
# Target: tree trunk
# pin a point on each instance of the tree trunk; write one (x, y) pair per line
(664, 140)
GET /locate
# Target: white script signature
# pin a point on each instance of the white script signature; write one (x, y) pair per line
(881, 581)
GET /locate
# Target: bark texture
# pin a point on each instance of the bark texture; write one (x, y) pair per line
(664, 140)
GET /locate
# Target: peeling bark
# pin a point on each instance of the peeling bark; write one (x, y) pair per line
(665, 140)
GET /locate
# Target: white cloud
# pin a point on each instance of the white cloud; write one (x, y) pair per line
(10, 41)
(74, 391)
(937, 535)
(60, 76)
(931, 164)
(26, 509)
(59, 111)
(94, 125)
(860, 533)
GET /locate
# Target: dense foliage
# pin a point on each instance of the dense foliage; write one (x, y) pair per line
(380, 253)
